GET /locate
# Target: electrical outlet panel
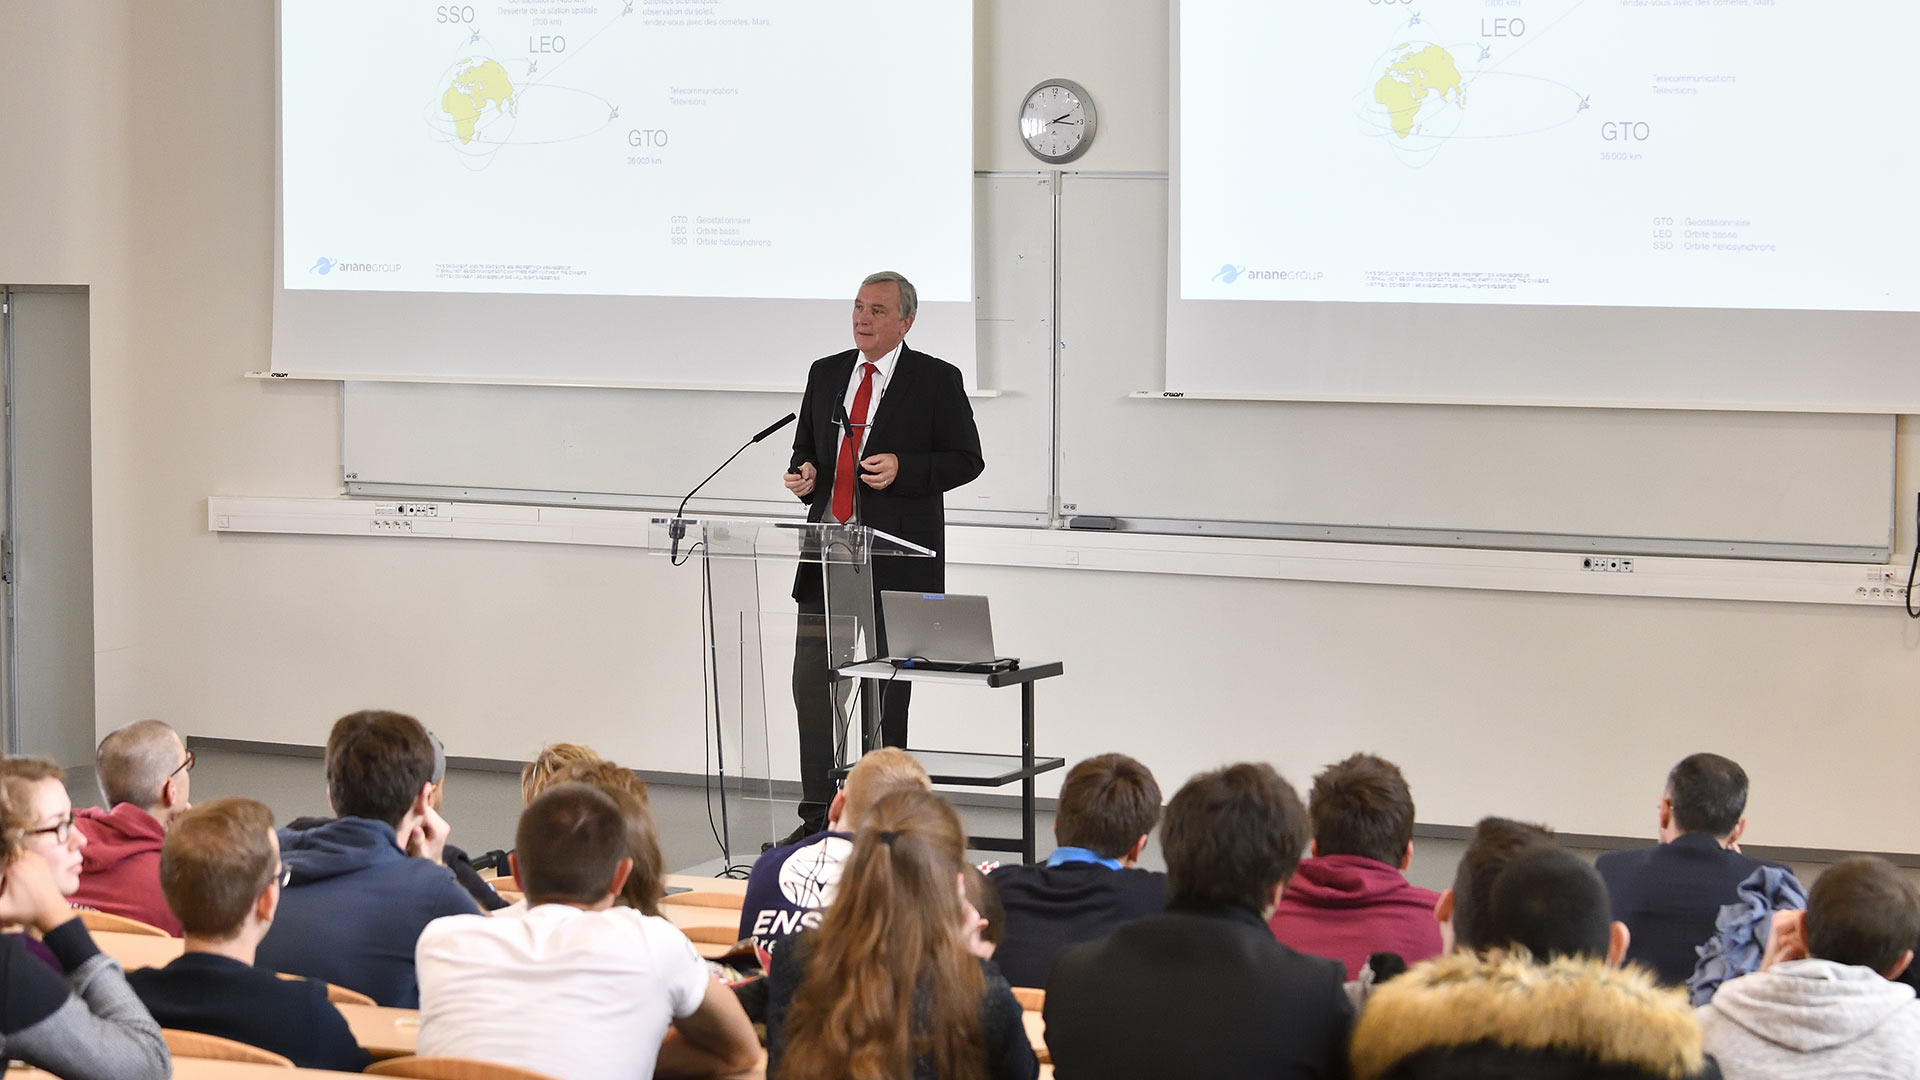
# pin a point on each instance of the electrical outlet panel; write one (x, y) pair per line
(1606, 564)
(407, 510)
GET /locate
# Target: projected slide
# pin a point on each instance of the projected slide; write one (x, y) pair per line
(718, 148)
(1669, 153)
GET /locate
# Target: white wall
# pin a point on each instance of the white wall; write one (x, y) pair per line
(136, 157)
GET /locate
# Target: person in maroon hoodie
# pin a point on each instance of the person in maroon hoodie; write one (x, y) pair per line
(145, 772)
(1351, 899)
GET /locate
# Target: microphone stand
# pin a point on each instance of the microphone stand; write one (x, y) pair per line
(677, 531)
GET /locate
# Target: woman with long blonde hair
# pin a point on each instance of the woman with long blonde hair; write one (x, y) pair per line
(888, 986)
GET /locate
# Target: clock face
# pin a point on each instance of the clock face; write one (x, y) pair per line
(1057, 121)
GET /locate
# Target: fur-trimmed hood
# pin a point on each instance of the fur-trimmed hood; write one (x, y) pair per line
(1511, 1006)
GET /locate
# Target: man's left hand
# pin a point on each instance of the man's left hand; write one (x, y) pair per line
(879, 471)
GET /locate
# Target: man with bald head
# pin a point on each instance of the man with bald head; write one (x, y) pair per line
(145, 772)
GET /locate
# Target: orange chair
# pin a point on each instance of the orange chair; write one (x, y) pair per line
(105, 922)
(339, 995)
(193, 1044)
(452, 1068)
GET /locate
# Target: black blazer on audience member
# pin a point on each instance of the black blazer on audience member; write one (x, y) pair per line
(923, 418)
(1197, 991)
(217, 995)
(1669, 896)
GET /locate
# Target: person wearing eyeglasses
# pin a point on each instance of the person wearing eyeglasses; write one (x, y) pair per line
(221, 871)
(145, 773)
(36, 787)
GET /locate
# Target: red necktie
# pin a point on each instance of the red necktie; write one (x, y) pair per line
(844, 469)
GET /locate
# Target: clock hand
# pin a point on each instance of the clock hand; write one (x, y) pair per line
(1059, 118)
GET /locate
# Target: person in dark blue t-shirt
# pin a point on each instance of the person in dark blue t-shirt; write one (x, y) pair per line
(791, 886)
(220, 870)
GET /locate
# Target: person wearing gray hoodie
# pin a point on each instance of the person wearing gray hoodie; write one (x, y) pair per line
(1823, 1004)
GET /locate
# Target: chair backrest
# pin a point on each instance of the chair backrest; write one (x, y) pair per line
(1032, 999)
(193, 1044)
(452, 1068)
(103, 921)
(339, 995)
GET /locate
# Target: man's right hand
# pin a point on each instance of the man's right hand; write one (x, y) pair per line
(801, 483)
(29, 896)
(428, 840)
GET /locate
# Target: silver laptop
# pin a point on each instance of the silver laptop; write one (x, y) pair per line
(937, 629)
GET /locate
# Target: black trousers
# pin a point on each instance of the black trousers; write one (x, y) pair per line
(814, 705)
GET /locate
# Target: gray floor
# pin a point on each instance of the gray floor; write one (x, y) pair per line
(484, 806)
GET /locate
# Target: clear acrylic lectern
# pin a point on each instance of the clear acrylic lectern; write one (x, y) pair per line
(731, 552)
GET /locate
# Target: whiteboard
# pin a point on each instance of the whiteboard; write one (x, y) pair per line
(1765, 484)
(1719, 482)
(606, 446)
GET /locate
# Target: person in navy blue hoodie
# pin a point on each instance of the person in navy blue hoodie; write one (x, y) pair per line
(220, 872)
(364, 885)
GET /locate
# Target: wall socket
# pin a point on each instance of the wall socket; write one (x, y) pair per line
(1606, 564)
(1884, 587)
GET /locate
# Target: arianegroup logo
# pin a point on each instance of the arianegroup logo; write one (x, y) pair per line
(324, 266)
(1231, 273)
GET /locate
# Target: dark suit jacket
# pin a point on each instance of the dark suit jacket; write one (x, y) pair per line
(924, 418)
(1669, 895)
(1196, 991)
(1050, 907)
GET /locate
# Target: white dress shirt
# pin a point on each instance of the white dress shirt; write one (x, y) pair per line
(580, 995)
(881, 376)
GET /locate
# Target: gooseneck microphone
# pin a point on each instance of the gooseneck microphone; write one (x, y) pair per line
(677, 528)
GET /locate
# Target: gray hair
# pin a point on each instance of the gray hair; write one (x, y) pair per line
(135, 762)
(909, 296)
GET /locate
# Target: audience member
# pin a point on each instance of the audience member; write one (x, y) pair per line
(1351, 898)
(1548, 1001)
(1670, 894)
(364, 885)
(887, 986)
(647, 885)
(1465, 911)
(991, 915)
(1823, 1007)
(220, 869)
(87, 1026)
(38, 788)
(1204, 989)
(536, 776)
(574, 987)
(452, 857)
(791, 886)
(1092, 882)
(145, 772)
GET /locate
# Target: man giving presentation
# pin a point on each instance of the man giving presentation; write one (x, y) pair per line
(884, 432)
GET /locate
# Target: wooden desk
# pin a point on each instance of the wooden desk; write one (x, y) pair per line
(381, 1031)
(140, 950)
(732, 886)
(209, 1069)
